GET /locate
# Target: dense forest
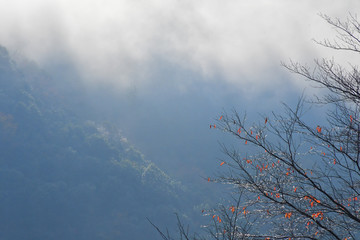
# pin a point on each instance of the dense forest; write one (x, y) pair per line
(67, 177)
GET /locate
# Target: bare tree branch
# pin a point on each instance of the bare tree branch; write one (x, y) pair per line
(300, 181)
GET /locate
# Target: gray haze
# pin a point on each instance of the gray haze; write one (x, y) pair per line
(123, 42)
(169, 68)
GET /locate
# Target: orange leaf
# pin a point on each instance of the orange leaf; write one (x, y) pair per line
(208, 179)
(246, 142)
(318, 128)
(221, 117)
(222, 163)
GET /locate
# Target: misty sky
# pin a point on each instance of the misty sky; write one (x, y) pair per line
(175, 62)
(122, 41)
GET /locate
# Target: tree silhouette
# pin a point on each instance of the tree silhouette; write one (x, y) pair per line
(302, 180)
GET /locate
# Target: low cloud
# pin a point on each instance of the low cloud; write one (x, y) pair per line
(124, 42)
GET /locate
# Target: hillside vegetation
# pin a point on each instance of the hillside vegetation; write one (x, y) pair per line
(63, 177)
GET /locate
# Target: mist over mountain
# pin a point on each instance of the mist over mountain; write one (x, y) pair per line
(105, 106)
(82, 161)
(64, 177)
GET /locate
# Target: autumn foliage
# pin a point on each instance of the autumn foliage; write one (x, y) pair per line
(303, 181)
(300, 178)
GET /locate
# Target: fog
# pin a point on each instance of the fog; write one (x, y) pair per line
(127, 42)
(163, 71)
(172, 66)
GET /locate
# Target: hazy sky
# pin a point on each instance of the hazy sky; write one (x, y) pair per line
(167, 69)
(122, 41)
(179, 62)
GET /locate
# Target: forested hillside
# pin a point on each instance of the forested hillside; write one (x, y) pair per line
(64, 177)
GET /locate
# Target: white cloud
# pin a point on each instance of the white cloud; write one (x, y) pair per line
(121, 40)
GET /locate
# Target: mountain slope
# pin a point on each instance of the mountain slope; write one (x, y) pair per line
(65, 178)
